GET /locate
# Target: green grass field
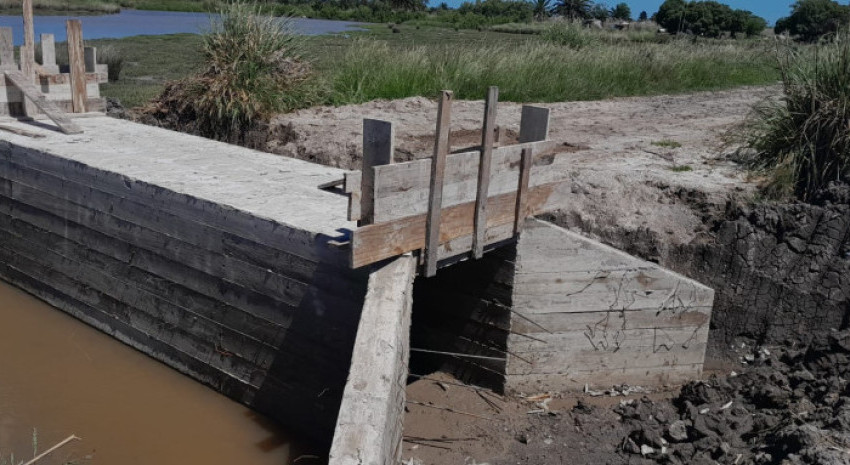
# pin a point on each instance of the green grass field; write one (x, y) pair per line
(378, 63)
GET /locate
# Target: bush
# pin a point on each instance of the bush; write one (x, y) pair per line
(802, 142)
(251, 71)
(811, 19)
(569, 33)
(113, 59)
(707, 18)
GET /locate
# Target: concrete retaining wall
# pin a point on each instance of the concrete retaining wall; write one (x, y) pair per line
(586, 313)
(369, 427)
(259, 309)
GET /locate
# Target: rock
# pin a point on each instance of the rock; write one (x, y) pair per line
(678, 431)
(646, 450)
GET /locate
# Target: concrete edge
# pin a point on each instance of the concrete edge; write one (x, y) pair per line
(369, 426)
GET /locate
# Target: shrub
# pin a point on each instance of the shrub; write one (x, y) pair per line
(802, 141)
(569, 33)
(251, 71)
(113, 59)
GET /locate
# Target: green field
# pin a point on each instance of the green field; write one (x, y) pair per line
(421, 60)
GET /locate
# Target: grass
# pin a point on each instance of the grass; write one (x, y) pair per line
(681, 168)
(377, 63)
(801, 142)
(667, 143)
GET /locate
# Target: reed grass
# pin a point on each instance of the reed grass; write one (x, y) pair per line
(801, 142)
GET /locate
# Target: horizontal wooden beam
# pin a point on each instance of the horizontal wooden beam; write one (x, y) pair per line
(380, 241)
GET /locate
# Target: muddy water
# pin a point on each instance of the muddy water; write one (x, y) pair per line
(62, 377)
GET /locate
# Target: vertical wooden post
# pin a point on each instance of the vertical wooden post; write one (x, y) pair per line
(7, 50)
(487, 136)
(438, 168)
(90, 54)
(378, 146)
(76, 58)
(534, 124)
(28, 71)
(48, 53)
(28, 58)
(521, 211)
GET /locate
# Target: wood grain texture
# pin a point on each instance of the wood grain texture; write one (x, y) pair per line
(378, 147)
(522, 189)
(28, 53)
(438, 168)
(7, 50)
(76, 59)
(484, 171)
(49, 108)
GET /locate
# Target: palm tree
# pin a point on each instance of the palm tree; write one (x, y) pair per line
(542, 8)
(574, 9)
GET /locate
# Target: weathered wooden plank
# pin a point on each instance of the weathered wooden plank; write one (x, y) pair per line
(378, 149)
(28, 50)
(76, 59)
(522, 189)
(402, 189)
(577, 380)
(384, 240)
(7, 50)
(484, 171)
(438, 167)
(602, 362)
(40, 100)
(352, 181)
(534, 124)
(534, 323)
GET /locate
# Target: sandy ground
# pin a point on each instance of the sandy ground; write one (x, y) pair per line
(620, 177)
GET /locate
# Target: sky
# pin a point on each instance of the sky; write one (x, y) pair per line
(771, 10)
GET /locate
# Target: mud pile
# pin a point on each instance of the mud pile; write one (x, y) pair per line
(790, 406)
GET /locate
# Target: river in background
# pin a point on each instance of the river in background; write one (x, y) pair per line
(136, 22)
(62, 377)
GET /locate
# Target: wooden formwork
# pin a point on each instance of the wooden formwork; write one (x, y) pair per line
(32, 88)
(451, 205)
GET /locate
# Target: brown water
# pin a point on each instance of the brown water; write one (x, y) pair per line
(62, 377)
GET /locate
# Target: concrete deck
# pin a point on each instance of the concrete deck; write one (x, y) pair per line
(267, 186)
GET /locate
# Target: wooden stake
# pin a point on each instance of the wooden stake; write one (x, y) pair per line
(526, 162)
(28, 54)
(438, 168)
(487, 136)
(378, 141)
(7, 50)
(76, 58)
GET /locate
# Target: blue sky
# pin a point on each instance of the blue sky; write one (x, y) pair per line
(771, 10)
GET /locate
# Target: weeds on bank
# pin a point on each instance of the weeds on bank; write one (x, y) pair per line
(801, 142)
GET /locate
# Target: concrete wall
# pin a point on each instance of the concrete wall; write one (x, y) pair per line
(369, 427)
(260, 310)
(586, 313)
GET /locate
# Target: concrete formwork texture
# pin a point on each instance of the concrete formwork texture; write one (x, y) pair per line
(224, 263)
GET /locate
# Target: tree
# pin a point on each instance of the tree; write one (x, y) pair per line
(599, 11)
(643, 16)
(708, 18)
(622, 11)
(671, 15)
(542, 9)
(574, 9)
(811, 19)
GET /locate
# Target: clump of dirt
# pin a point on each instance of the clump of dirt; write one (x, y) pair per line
(791, 406)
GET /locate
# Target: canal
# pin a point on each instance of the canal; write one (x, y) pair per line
(62, 377)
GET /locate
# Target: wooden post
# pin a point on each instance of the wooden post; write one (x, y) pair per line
(438, 168)
(7, 50)
(76, 58)
(28, 73)
(378, 146)
(526, 163)
(48, 53)
(487, 136)
(534, 124)
(91, 59)
(28, 53)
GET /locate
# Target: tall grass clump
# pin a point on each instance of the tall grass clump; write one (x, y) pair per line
(251, 70)
(572, 34)
(801, 142)
(114, 61)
